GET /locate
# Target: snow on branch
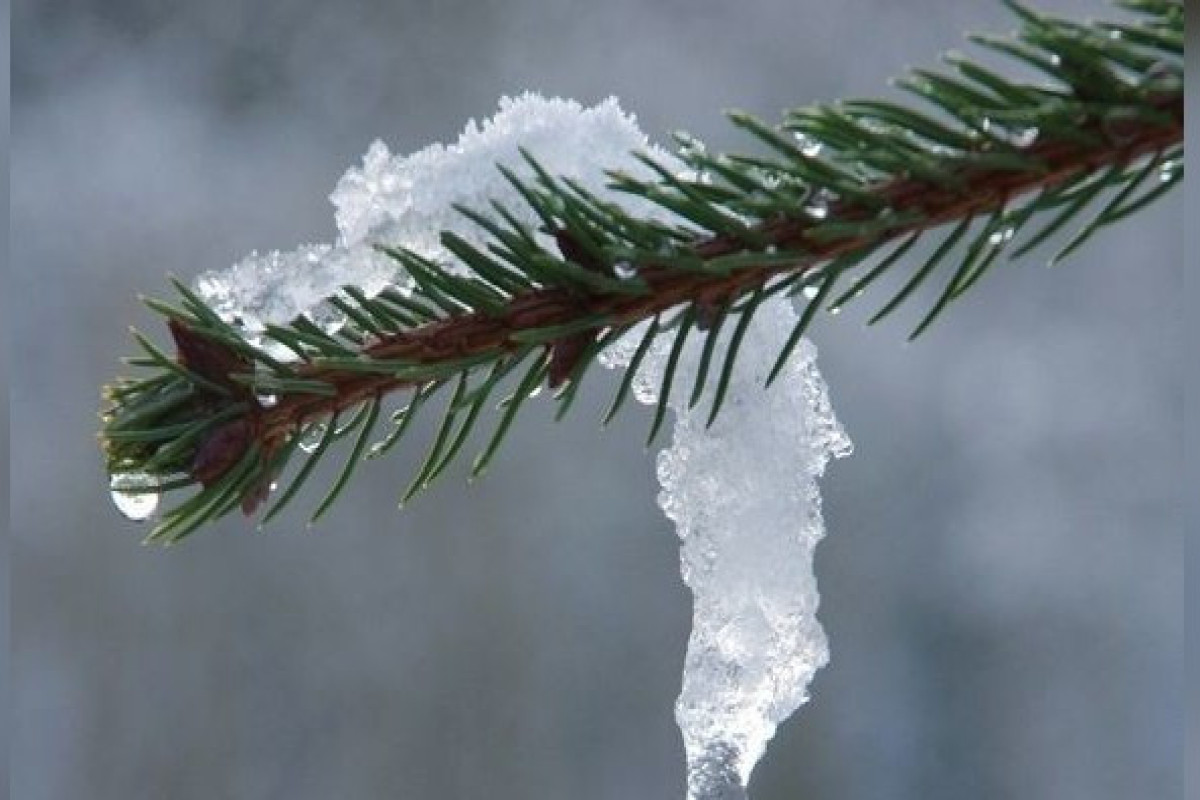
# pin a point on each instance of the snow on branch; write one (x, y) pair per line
(741, 492)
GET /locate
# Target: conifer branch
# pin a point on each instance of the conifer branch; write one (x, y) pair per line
(847, 189)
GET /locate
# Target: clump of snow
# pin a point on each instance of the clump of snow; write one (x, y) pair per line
(743, 496)
(408, 198)
(407, 201)
(279, 286)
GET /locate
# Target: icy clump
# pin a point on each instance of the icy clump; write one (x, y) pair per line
(744, 499)
(406, 201)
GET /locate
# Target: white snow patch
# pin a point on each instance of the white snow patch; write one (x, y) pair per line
(407, 201)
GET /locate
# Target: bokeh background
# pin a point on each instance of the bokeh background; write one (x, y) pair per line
(1003, 580)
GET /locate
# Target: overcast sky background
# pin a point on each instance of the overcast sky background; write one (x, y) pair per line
(1002, 584)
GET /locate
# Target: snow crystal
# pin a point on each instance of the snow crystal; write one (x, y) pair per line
(407, 201)
(743, 496)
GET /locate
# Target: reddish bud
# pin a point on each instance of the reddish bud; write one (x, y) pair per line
(206, 357)
(220, 451)
(564, 356)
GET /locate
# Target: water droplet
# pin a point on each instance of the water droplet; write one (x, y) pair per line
(535, 391)
(624, 270)
(810, 292)
(1166, 172)
(1001, 237)
(267, 400)
(1024, 137)
(135, 494)
(835, 310)
(817, 210)
(1017, 137)
(809, 146)
(311, 438)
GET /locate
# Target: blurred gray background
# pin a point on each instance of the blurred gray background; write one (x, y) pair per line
(1003, 580)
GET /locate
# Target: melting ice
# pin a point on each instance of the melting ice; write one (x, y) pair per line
(743, 496)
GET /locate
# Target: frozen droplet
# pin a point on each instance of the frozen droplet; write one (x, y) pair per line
(809, 146)
(311, 438)
(835, 310)
(771, 249)
(810, 292)
(535, 391)
(267, 400)
(1166, 173)
(135, 494)
(624, 270)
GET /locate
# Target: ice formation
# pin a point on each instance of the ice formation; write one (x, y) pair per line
(742, 493)
(743, 496)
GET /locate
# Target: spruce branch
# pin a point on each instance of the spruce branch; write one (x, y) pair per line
(996, 168)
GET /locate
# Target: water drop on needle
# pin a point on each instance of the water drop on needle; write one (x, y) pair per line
(1024, 137)
(135, 495)
(1001, 237)
(624, 270)
(311, 438)
(809, 146)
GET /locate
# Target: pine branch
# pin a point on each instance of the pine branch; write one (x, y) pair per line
(846, 190)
